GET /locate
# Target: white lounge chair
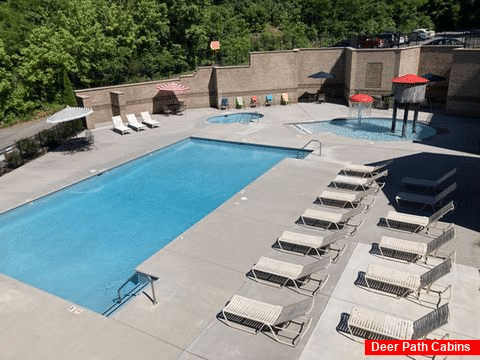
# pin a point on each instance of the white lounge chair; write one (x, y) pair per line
(434, 201)
(412, 251)
(344, 198)
(325, 219)
(246, 314)
(147, 119)
(293, 242)
(403, 283)
(119, 126)
(134, 124)
(283, 273)
(414, 223)
(343, 181)
(427, 185)
(364, 170)
(370, 324)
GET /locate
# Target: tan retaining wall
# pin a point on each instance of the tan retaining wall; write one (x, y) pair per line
(276, 72)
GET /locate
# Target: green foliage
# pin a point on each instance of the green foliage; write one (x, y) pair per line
(13, 159)
(29, 148)
(69, 95)
(109, 42)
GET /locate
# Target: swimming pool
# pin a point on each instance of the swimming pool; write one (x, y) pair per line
(374, 129)
(241, 117)
(84, 242)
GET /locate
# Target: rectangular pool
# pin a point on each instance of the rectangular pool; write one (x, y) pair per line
(83, 242)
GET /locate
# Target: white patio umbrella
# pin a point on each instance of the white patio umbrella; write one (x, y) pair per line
(69, 114)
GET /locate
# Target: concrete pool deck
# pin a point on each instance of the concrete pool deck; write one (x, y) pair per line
(200, 272)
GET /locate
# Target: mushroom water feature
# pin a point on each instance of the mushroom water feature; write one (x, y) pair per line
(408, 89)
(360, 106)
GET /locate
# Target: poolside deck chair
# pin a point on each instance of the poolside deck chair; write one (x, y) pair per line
(224, 104)
(403, 283)
(119, 126)
(325, 219)
(415, 223)
(254, 101)
(269, 100)
(147, 120)
(134, 124)
(271, 271)
(412, 251)
(254, 316)
(424, 201)
(364, 170)
(427, 185)
(342, 198)
(354, 182)
(371, 324)
(295, 243)
(239, 102)
(284, 100)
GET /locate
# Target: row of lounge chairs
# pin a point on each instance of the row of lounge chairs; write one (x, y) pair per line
(254, 101)
(255, 316)
(133, 123)
(372, 324)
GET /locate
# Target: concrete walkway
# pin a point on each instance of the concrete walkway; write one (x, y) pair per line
(202, 269)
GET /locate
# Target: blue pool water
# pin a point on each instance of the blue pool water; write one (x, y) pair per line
(83, 242)
(374, 129)
(241, 117)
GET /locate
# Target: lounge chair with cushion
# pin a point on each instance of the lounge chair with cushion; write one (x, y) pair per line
(273, 271)
(254, 101)
(403, 283)
(412, 251)
(269, 100)
(371, 324)
(414, 223)
(147, 119)
(345, 198)
(256, 316)
(326, 219)
(119, 126)
(295, 243)
(424, 201)
(284, 100)
(134, 124)
(427, 185)
(364, 170)
(239, 102)
(224, 104)
(355, 182)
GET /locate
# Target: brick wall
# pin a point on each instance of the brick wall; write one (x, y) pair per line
(276, 72)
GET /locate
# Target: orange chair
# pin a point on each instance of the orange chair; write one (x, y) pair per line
(284, 99)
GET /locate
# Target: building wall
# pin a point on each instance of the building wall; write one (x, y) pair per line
(464, 90)
(276, 72)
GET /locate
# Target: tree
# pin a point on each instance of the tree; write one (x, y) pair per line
(69, 95)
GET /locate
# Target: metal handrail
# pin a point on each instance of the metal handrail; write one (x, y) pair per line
(319, 146)
(140, 275)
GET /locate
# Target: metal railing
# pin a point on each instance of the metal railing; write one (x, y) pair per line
(313, 150)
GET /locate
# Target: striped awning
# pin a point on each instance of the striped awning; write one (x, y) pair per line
(173, 87)
(69, 114)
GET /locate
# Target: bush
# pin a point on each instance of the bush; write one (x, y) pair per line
(13, 159)
(29, 148)
(49, 138)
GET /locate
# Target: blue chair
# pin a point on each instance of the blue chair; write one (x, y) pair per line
(269, 100)
(224, 104)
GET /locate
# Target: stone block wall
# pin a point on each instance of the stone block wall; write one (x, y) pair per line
(276, 72)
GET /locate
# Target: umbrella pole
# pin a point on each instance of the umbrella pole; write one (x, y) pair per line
(394, 117)
(415, 117)
(405, 118)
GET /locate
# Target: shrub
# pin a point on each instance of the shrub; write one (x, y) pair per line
(13, 159)
(29, 148)
(49, 138)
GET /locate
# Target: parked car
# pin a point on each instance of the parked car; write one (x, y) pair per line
(446, 41)
(421, 34)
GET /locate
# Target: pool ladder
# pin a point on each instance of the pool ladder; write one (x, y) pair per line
(319, 149)
(252, 116)
(139, 281)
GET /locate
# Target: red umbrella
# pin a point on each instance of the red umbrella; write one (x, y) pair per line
(173, 87)
(409, 79)
(363, 98)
